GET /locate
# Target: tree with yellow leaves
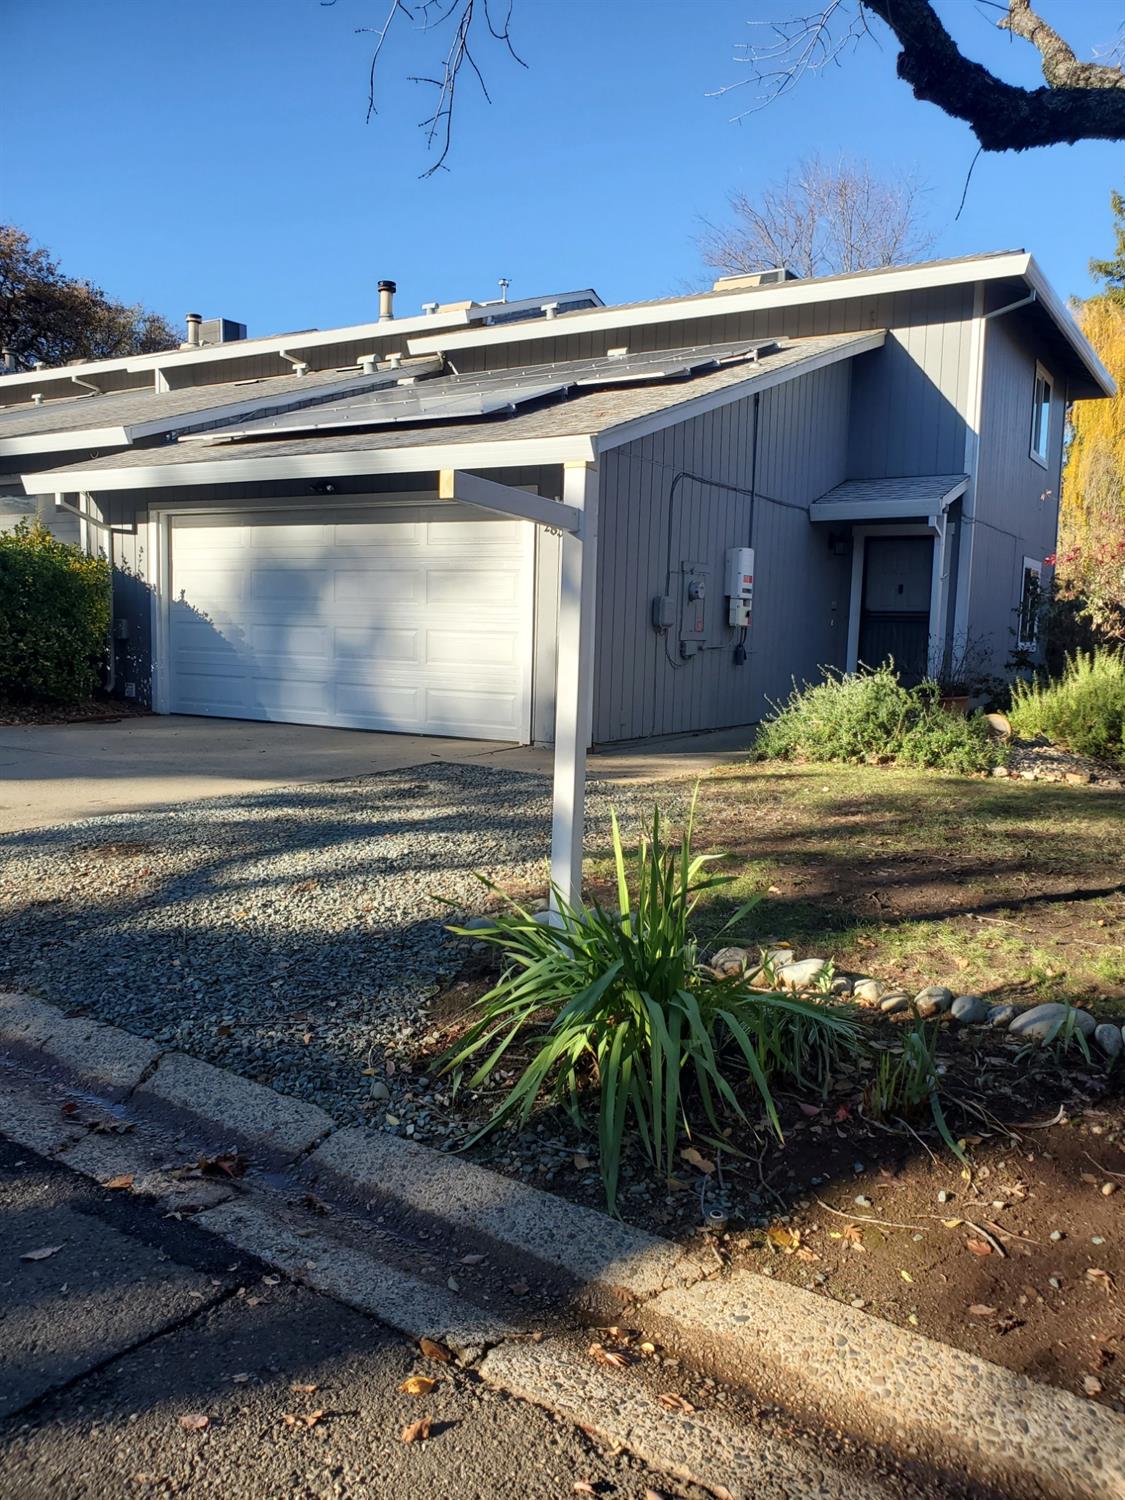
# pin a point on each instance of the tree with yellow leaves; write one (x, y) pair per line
(1090, 569)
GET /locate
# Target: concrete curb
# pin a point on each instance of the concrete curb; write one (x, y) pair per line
(885, 1384)
(865, 1377)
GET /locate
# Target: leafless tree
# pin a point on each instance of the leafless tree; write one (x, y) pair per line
(821, 218)
(1080, 100)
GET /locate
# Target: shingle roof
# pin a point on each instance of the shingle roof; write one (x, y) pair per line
(586, 412)
(891, 498)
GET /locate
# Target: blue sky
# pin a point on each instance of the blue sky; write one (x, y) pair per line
(212, 155)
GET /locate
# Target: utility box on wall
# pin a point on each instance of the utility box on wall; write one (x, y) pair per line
(695, 589)
(740, 585)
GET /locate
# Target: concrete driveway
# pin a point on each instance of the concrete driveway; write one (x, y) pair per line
(57, 773)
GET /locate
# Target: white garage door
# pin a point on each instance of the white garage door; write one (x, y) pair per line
(420, 626)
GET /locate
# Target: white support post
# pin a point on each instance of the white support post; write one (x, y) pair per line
(573, 682)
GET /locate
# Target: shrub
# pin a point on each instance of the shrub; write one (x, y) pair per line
(1082, 710)
(54, 617)
(632, 1014)
(870, 714)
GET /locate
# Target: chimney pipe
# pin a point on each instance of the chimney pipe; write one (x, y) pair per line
(8, 361)
(387, 290)
(194, 320)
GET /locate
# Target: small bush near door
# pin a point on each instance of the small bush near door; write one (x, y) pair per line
(1083, 709)
(54, 617)
(871, 716)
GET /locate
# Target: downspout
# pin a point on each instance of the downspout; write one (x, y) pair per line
(88, 385)
(972, 455)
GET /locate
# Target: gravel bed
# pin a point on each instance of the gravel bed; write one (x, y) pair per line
(1039, 761)
(295, 936)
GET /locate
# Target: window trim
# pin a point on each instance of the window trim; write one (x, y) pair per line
(1030, 565)
(1041, 373)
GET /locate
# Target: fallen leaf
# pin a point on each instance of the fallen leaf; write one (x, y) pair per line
(698, 1160)
(433, 1350)
(1093, 1273)
(583, 1487)
(672, 1402)
(906, 1276)
(418, 1385)
(978, 1247)
(582, 1163)
(853, 1234)
(810, 1111)
(952, 1223)
(194, 1421)
(471, 1260)
(304, 1390)
(70, 1108)
(981, 1310)
(804, 1253)
(418, 1431)
(303, 1419)
(615, 1358)
(783, 1238)
(44, 1254)
(125, 1180)
(1091, 1385)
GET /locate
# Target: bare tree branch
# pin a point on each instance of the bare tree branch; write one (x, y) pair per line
(1061, 68)
(429, 16)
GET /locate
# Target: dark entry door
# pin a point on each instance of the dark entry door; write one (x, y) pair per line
(895, 614)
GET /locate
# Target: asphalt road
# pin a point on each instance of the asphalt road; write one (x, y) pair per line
(141, 1356)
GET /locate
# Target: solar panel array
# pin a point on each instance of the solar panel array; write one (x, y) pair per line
(450, 398)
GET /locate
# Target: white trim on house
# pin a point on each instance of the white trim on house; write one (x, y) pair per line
(1041, 374)
(259, 465)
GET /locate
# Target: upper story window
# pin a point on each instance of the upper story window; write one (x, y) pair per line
(1041, 416)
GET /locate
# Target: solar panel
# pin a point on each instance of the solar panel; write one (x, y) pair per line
(450, 398)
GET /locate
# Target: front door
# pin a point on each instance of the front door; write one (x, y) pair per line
(895, 613)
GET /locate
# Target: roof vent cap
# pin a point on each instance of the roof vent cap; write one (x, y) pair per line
(771, 276)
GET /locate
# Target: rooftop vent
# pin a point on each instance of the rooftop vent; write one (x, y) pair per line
(220, 331)
(770, 277)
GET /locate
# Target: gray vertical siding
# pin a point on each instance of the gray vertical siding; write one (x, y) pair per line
(1017, 500)
(642, 687)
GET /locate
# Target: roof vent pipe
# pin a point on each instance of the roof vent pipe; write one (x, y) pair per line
(394, 360)
(387, 290)
(37, 397)
(550, 309)
(8, 361)
(369, 363)
(429, 308)
(194, 337)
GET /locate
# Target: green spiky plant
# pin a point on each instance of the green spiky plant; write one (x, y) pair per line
(623, 1010)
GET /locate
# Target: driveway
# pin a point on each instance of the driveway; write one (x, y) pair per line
(52, 774)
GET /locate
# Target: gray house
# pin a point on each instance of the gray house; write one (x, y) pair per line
(659, 512)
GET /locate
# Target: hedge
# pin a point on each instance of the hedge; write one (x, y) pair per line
(54, 617)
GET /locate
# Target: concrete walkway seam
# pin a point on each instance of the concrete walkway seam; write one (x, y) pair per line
(863, 1375)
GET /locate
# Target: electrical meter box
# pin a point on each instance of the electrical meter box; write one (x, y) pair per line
(740, 584)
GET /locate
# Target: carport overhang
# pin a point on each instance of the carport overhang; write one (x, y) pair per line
(573, 517)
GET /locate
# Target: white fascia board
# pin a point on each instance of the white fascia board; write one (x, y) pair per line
(724, 304)
(761, 379)
(65, 442)
(170, 359)
(1060, 315)
(896, 510)
(346, 464)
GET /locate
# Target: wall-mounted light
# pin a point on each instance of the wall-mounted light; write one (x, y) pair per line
(839, 543)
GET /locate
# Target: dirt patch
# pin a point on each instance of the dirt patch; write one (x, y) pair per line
(1018, 1258)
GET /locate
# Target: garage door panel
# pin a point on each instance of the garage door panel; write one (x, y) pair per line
(375, 643)
(415, 627)
(368, 585)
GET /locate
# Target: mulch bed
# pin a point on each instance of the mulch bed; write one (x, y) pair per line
(95, 711)
(850, 1208)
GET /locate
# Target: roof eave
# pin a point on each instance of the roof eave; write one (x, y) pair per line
(1059, 314)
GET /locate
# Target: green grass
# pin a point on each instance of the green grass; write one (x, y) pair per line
(1010, 889)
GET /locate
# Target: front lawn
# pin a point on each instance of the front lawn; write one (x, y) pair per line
(1007, 889)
